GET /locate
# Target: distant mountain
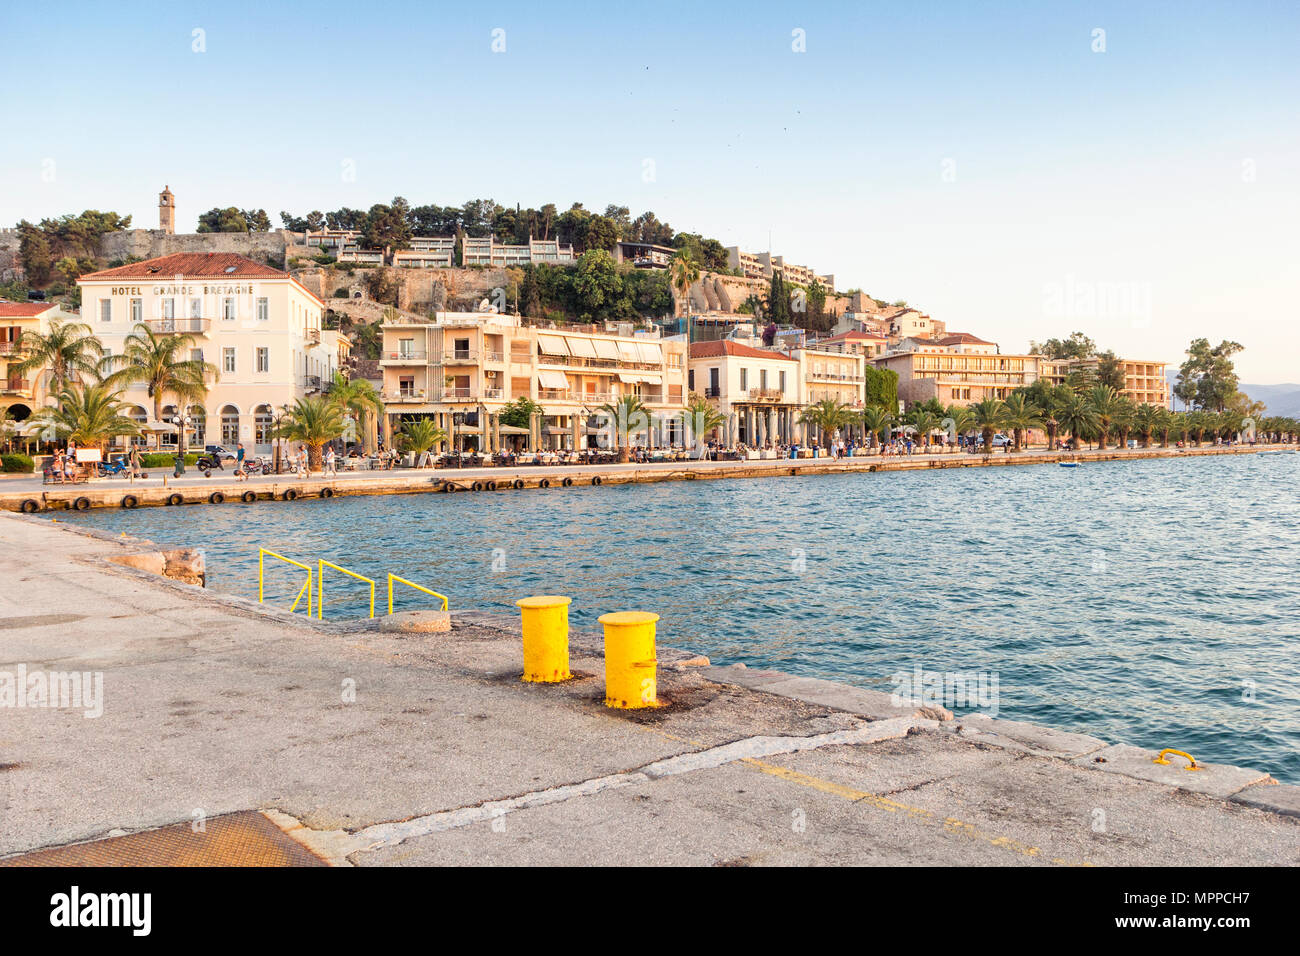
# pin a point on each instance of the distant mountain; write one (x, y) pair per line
(1280, 399)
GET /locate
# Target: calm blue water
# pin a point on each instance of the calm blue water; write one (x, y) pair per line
(1143, 602)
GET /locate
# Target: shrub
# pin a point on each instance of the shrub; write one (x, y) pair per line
(17, 462)
(165, 459)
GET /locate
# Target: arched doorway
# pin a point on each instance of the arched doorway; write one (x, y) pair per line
(229, 426)
(263, 420)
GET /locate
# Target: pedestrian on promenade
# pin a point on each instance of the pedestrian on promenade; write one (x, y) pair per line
(240, 474)
(329, 461)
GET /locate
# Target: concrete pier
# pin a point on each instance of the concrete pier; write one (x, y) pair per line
(371, 747)
(30, 495)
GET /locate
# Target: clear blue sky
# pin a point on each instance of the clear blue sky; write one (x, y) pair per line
(979, 160)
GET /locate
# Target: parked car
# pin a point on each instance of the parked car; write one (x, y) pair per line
(221, 451)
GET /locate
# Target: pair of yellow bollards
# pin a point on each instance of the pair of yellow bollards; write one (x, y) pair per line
(630, 663)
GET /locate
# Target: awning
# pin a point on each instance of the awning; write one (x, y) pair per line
(581, 347)
(552, 344)
(606, 349)
(652, 378)
(629, 378)
(627, 351)
(513, 430)
(651, 353)
(159, 427)
(551, 379)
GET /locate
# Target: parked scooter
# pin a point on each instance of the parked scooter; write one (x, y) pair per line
(206, 462)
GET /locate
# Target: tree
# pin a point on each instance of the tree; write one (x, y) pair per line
(1107, 405)
(684, 272)
(826, 416)
(877, 421)
(701, 417)
(1077, 417)
(925, 422)
(520, 412)
(990, 416)
(1020, 416)
(881, 387)
(229, 219)
(1077, 346)
(596, 283)
(1146, 420)
(627, 416)
(387, 227)
(360, 401)
(66, 352)
(1109, 371)
(1208, 379)
(87, 415)
(161, 363)
(314, 420)
(419, 435)
(778, 300)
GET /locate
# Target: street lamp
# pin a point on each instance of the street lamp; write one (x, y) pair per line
(182, 422)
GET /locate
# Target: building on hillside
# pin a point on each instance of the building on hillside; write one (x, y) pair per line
(332, 239)
(911, 323)
(762, 265)
(23, 392)
(1146, 383)
(259, 326)
(868, 344)
(644, 255)
(957, 378)
(486, 251)
(373, 257)
(473, 364)
(959, 343)
(758, 391)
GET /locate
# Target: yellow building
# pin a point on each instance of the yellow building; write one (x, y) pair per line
(22, 392)
(956, 378)
(1144, 382)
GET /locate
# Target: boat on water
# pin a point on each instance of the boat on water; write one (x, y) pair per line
(1068, 464)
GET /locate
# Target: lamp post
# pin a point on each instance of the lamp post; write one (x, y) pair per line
(457, 419)
(182, 422)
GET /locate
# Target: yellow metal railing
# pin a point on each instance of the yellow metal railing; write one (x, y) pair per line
(410, 584)
(320, 587)
(261, 575)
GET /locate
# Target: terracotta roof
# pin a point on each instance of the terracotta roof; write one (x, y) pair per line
(217, 265)
(848, 336)
(24, 310)
(961, 338)
(722, 347)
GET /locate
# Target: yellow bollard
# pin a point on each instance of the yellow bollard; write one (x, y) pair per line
(630, 659)
(546, 638)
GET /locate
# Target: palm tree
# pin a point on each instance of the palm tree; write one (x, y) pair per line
(161, 364)
(1076, 416)
(68, 351)
(959, 420)
(1049, 407)
(314, 421)
(87, 415)
(1147, 420)
(683, 273)
(826, 415)
(359, 399)
(420, 435)
(925, 422)
(1125, 420)
(877, 421)
(1197, 423)
(1020, 416)
(701, 417)
(627, 415)
(989, 417)
(1107, 405)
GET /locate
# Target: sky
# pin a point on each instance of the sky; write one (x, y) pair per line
(1018, 170)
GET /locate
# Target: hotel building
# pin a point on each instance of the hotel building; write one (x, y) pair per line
(475, 363)
(867, 344)
(958, 377)
(1144, 382)
(761, 265)
(257, 325)
(486, 251)
(759, 391)
(824, 374)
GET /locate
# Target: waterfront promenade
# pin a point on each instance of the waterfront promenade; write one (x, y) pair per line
(195, 488)
(377, 749)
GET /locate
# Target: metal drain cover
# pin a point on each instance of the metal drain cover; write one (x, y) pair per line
(236, 839)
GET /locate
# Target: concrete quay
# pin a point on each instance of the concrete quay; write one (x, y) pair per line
(27, 493)
(381, 748)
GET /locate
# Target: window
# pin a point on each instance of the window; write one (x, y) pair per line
(762, 379)
(690, 379)
(263, 309)
(262, 424)
(264, 360)
(781, 380)
(137, 310)
(168, 308)
(744, 379)
(229, 425)
(106, 310)
(196, 308)
(406, 347)
(228, 360)
(228, 309)
(196, 355)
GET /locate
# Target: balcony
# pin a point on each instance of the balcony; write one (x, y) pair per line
(10, 348)
(495, 394)
(313, 336)
(713, 393)
(497, 357)
(18, 386)
(404, 395)
(311, 383)
(460, 357)
(404, 357)
(764, 395)
(553, 395)
(832, 377)
(457, 394)
(190, 326)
